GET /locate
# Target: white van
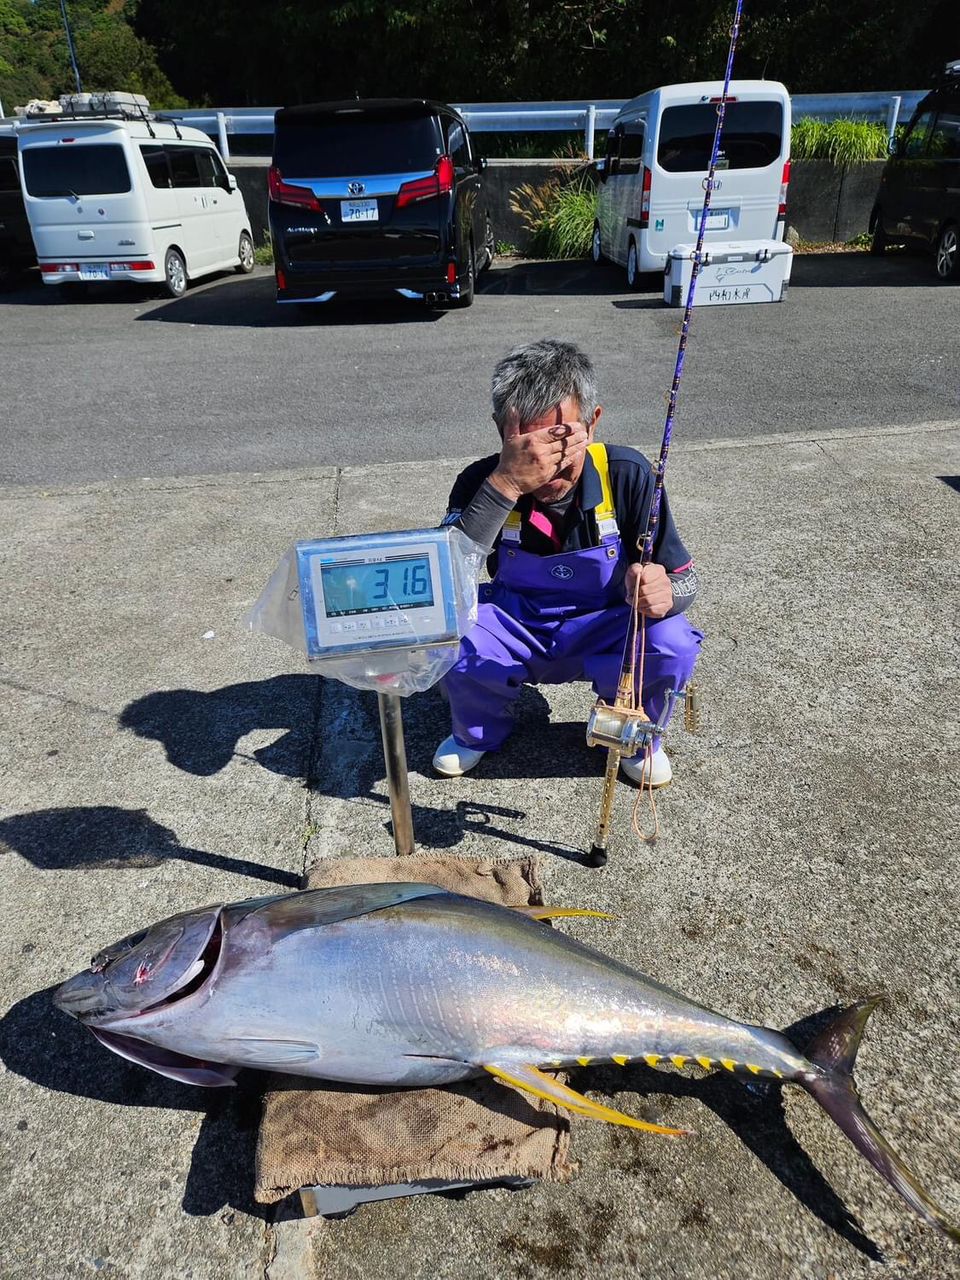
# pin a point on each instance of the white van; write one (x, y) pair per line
(122, 199)
(658, 157)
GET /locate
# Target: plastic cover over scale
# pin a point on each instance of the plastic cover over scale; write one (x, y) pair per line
(416, 663)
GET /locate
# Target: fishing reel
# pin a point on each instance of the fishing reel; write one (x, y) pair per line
(623, 732)
(627, 732)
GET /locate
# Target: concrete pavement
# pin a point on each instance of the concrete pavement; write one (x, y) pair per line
(157, 756)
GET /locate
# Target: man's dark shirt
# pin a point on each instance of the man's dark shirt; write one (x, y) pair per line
(631, 483)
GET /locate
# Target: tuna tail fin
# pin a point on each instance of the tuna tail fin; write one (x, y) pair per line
(834, 1051)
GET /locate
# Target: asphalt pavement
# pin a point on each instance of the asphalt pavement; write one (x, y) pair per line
(158, 756)
(126, 384)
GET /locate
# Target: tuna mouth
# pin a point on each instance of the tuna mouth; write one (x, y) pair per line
(196, 975)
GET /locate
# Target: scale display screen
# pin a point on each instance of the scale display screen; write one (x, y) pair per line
(378, 591)
(352, 589)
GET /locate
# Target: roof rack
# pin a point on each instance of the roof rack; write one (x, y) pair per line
(85, 106)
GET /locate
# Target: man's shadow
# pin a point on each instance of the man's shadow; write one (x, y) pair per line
(200, 731)
(46, 1046)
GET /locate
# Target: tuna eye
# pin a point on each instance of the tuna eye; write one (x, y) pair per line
(103, 958)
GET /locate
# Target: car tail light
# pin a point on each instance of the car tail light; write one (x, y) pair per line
(281, 279)
(281, 192)
(131, 266)
(51, 268)
(439, 183)
(451, 273)
(784, 181)
(645, 201)
(720, 99)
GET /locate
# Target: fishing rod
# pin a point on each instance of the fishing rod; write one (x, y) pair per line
(623, 728)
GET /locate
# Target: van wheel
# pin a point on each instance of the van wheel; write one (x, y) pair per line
(245, 254)
(174, 274)
(633, 267)
(596, 248)
(878, 244)
(948, 253)
(466, 289)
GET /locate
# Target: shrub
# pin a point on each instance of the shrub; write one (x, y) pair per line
(560, 213)
(839, 141)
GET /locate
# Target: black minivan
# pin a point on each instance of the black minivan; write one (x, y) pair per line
(376, 196)
(16, 244)
(918, 203)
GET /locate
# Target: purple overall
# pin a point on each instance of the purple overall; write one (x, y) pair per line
(549, 620)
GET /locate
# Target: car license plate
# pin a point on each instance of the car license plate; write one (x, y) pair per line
(94, 271)
(717, 219)
(359, 211)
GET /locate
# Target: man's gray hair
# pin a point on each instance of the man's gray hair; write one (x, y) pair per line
(536, 377)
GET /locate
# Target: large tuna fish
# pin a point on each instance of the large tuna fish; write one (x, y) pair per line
(405, 984)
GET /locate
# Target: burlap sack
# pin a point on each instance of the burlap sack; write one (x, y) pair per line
(315, 1134)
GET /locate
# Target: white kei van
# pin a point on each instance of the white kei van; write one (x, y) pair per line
(124, 199)
(658, 157)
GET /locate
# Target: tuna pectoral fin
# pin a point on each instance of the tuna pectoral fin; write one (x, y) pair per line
(530, 1080)
(175, 1066)
(834, 1051)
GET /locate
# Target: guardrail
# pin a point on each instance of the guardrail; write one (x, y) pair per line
(537, 117)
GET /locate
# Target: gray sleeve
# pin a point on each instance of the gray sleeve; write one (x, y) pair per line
(684, 586)
(484, 516)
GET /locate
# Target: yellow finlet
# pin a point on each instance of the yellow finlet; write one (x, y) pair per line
(651, 1059)
(558, 913)
(706, 1063)
(621, 1059)
(750, 1067)
(584, 1062)
(678, 1059)
(530, 1080)
(728, 1063)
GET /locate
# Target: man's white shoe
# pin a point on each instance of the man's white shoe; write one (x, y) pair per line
(655, 772)
(452, 760)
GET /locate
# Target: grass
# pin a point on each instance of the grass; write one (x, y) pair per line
(263, 255)
(560, 213)
(842, 142)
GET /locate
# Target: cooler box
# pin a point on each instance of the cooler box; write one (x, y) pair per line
(730, 272)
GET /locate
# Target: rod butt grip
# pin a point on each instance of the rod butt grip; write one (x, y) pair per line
(597, 857)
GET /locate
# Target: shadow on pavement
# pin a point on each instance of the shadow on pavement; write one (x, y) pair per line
(104, 837)
(850, 270)
(200, 731)
(42, 1044)
(250, 302)
(754, 1111)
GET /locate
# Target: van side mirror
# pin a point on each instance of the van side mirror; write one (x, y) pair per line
(601, 168)
(231, 182)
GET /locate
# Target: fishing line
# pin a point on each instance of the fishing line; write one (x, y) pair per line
(628, 696)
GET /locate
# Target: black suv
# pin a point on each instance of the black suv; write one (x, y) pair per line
(918, 203)
(376, 196)
(16, 243)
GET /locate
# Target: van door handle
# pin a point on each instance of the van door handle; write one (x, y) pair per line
(85, 235)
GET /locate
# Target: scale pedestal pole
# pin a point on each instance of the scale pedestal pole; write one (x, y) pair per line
(395, 758)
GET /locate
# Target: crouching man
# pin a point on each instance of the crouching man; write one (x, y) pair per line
(566, 518)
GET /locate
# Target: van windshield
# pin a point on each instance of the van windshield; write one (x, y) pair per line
(91, 169)
(342, 146)
(752, 136)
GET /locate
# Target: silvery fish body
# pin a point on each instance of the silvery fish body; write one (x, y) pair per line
(406, 985)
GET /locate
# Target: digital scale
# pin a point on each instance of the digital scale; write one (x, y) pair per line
(375, 592)
(378, 611)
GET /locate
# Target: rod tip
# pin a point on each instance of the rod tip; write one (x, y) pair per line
(597, 857)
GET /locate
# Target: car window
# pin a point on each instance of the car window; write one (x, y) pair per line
(209, 176)
(67, 169)
(346, 146)
(915, 143)
(631, 147)
(457, 145)
(8, 176)
(184, 167)
(752, 136)
(219, 171)
(158, 167)
(945, 136)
